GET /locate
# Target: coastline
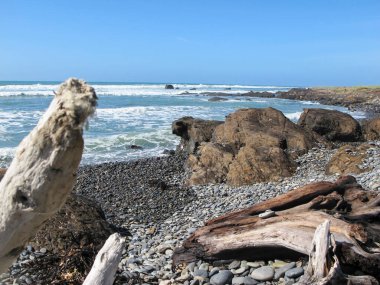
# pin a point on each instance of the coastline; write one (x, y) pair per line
(174, 210)
(366, 99)
(150, 199)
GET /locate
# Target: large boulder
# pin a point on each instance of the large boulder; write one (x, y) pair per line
(331, 124)
(169, 86)
(371, 129)
(253, 145)
(193, 132)
(348, 160)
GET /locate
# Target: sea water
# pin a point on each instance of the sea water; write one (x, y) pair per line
(132, 114)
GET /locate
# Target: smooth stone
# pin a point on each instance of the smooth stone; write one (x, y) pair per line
(255, 264)
(213, 271)
(280, 272)
(235, 264)
(222, 278)
(43, 250)
(243, 263)
(204, 266)
(267, 214)
(239, 270)
(279, 263)
(201, 273)
(294, 272)
(238, 281)
(264, 273)
(191, 230)
(249, 281)
(191, 266)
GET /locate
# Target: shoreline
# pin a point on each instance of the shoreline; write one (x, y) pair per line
(365, 99)
(149, 199)
(178, 210)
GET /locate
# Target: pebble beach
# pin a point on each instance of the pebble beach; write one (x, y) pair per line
(160, 211)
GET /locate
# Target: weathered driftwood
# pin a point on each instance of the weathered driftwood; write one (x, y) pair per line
(324, 267)
(106, 262)
(352, 211)
(43, 171)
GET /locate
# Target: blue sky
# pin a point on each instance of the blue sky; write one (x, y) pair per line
(304, 43)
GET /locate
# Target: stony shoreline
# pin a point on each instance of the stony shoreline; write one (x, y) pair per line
(365, 99)
(151, 202)
(174, 211)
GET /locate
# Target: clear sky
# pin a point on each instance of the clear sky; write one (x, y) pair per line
(267, 42)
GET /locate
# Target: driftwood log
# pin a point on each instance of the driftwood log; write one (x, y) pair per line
(43, 172)
(106, 262)
(353, 214)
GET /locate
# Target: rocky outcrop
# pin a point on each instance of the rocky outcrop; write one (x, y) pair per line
(253, 145)
(264, 94)
(331, 124)
(169, 86)
(371, 129)
(348, 160)
(193, 132)
(363, 98)
(217, 99)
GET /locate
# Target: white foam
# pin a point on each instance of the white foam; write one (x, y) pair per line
(310, 103)
(6, 156)
(293, 116)
(135, 89)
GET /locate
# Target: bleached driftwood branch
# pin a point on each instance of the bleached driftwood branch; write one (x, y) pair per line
(324, 267)
(43, 171)
(106, 262)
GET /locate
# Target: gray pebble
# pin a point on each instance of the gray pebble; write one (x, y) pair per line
(238, 281)
(201, 273)
(222, 278)
(235, 264)
(249, 281)
(264, 273)
(294, 272)
(214, 271)
(280, 272)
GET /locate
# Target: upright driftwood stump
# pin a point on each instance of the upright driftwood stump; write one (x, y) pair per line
(43, 171)
(106, 262)
(352, 212)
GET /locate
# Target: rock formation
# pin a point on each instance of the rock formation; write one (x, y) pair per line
(169, 86)
(217, 99)
(347, 160)
(193, 132)
(364, 98)
(331, 124)
(371, 129)
(253, 145)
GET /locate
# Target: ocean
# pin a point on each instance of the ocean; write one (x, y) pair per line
(132, 114)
